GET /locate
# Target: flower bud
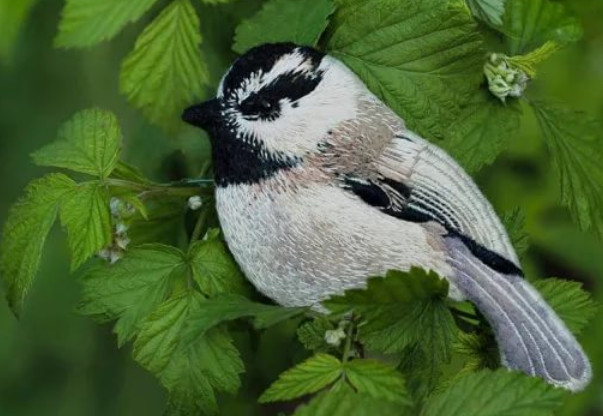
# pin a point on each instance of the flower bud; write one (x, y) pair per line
(334, 336)
(195, 202)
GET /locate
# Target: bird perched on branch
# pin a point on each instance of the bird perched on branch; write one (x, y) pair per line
(320, 185)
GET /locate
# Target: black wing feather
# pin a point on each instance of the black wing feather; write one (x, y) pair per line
(377, 193)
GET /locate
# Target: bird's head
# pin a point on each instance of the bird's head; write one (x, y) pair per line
(275, 105)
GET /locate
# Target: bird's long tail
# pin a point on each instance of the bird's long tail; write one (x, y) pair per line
(530, 336)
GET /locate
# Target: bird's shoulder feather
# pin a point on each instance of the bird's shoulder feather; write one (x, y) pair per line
(393, 169)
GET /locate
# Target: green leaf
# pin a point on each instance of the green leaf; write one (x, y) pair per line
(421, 373)
(191, 370)
(160, 333)
(489, 11)
(87, 22)
(514, 222)
(164, 223)
(480, 352)
(13, 15)
(86, 216)
(301, 22)
(422, 58)
(165, 73)
(213, 363)
(228, 307)
(132, 288)
(376, 380)
(495, 393)
(90, 142)
(128, 172)
(401, 309)
(576, 146)
(482, 131)
(530, 23)
(343, 401)
(214, 269)
(219, 360)
(24, 234)
(573, 304)
(308, 377)
(312, 333)
(529, 62)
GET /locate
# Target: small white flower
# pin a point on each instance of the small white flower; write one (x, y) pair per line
(120, 228)
(504, 78)
(122, 242)
(334, 336)
(115, 256)
(116, 206)
(104, 254)
(195, 202)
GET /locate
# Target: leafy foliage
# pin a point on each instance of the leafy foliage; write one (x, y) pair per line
(531, 23)
(230, 307)
(575, 146)
(310, 376)
(495, 393)
(482, 131)
(376, 380)
(190, 371)
(489, 11)
(87, 22)
(312, 333)
(479, 350)
(132, 288)
(514, 222)
(574, 305)
(344, 401)
(25, 232)
(89, 143)
(85, 215)
(213, 268)
(176, 300)
(370, 378)
(300, 22)
(422, 58)
(164, 72)
(401, 309)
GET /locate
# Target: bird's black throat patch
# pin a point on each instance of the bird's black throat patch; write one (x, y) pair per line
(244, 160)
(240, 159)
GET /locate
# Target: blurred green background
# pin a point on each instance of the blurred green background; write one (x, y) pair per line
(53, 362)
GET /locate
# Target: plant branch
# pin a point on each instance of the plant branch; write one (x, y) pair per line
(349, 335)
(200, 225)
(165, 189)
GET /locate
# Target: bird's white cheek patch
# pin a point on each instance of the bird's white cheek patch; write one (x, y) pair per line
(305, 123)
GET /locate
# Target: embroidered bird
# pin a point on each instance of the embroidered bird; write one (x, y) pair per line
(321, 185)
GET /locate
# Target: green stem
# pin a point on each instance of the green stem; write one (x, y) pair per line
(348, 341)
(199, 225)
(165, 189)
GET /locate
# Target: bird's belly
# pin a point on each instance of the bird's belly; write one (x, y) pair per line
(300, 247)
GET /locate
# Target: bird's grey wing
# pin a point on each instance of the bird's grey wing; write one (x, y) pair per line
(416, 181)
(440, 189)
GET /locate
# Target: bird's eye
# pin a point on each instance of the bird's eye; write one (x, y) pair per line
(263, 107)
(265, 104)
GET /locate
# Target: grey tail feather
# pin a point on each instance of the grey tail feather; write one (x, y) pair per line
(530, 336)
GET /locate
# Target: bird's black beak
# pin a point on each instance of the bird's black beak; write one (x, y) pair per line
(204, 115)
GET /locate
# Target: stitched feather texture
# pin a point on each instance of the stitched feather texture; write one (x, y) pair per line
(530, 336)
(335, 189)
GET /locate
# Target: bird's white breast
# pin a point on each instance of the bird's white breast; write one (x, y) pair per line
(300, 245)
